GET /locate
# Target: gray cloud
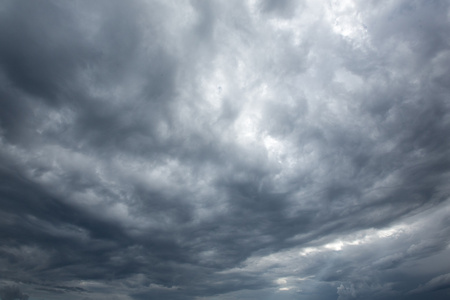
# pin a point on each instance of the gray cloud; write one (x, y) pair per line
(438, 283)
(226, 149)
(12, 293)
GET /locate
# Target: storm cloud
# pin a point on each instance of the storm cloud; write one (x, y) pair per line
(224, 149)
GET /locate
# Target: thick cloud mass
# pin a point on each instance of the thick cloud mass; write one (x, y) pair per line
(253, 149)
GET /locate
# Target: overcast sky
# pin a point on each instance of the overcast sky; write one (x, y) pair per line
(261, 149)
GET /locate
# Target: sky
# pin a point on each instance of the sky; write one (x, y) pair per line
(193, 150)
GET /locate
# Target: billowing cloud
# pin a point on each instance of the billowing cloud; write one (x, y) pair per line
(225, 149)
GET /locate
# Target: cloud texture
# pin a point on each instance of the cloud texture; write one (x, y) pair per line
(225, 149)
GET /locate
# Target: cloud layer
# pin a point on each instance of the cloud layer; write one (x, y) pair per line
(225, 149)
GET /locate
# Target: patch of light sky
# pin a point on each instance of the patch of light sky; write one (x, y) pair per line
(363, 238)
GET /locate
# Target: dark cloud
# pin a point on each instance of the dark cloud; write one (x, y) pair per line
(198, 149)
(440, 282)
(12, 293)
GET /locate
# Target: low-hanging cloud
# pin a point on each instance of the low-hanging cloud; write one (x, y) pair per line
(246, 149)
(12, 293)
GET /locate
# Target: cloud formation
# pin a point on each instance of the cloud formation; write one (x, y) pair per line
(225, 149)
(12, 293)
